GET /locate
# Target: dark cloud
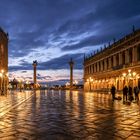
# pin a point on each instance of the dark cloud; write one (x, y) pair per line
(28, 77)
(63, 62)
(44, 78)
(106, 22)
(20, 67)
(41, 24)
(88, 42)
(56, 63)
(24, 71)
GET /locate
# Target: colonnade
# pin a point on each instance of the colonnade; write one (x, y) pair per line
(113, 61)
(105, 84)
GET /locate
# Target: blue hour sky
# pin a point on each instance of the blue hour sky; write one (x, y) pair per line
(53, 31)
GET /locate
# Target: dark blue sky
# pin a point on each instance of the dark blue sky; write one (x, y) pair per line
(53, 31)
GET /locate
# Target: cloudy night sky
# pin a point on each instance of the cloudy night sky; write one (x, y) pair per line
(53, 31)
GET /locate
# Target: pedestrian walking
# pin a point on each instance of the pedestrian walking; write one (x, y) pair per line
(113, 91)
(130, 93)
(125, 92)
(136, 93)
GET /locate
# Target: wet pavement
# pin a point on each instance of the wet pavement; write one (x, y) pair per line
(59, 115)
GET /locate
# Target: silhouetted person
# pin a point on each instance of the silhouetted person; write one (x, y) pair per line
(2, 92)
(136, 93)
(113, 90)
(130, 93)
(125, 92)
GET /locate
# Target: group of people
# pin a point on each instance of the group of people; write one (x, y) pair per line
(127, 93)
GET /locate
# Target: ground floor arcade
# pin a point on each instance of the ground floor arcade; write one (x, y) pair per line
(119, 78)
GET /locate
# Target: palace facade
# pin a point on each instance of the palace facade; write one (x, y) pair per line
(3, 61)
(117, 64)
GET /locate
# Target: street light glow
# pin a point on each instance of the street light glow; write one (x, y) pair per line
(129, 70)
(7, 74)
(2, 71)
(1, 74)
(124, 74)
(134, 73)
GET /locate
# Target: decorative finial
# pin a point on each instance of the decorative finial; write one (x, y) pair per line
(35, 62)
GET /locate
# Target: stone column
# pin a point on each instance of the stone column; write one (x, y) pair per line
(109, 62)
(97, 66)
(89, 69)
(134, 54)
(126, 57)
(86, 87)
(71, 63)
(105, 64)
(114, 60)
(101, 65)
(94, 67)
(84, 71)
(34, 76)
(120, 58)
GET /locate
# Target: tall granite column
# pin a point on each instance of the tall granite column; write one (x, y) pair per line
(71, 63)
(34, 75)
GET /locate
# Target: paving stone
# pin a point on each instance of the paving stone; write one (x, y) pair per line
(69, 116)
(133, 138)
(8, 138)
(123, 133)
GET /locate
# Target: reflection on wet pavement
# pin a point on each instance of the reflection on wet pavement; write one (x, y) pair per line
(71, 115)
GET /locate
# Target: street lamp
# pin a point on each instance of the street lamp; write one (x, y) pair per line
(89, 80)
